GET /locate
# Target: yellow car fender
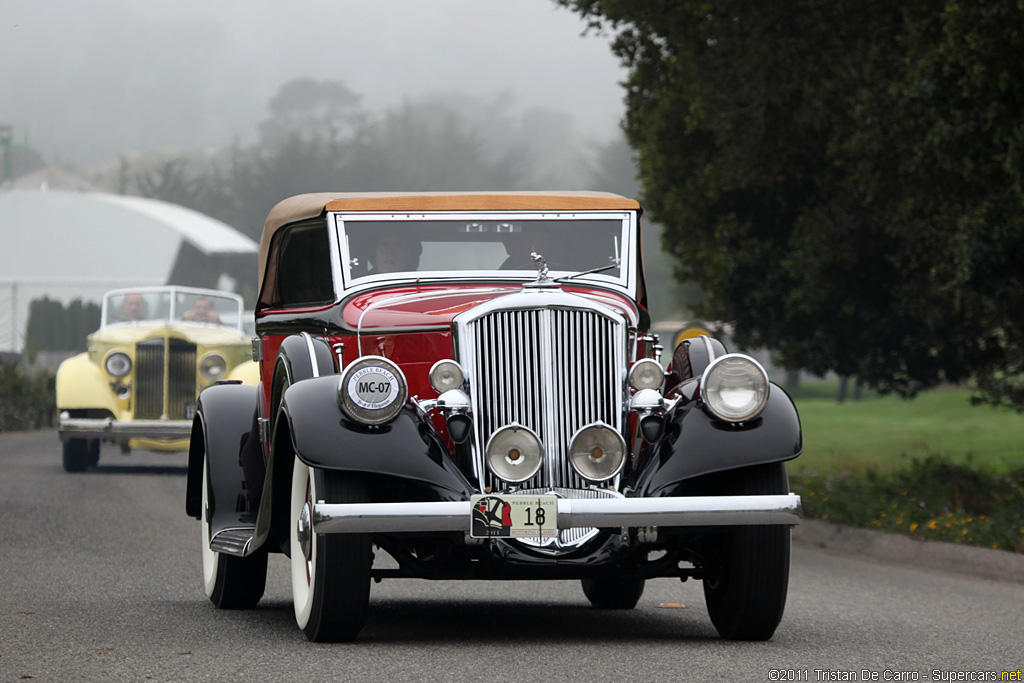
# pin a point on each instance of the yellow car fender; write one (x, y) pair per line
(80, 384)
(247, 372)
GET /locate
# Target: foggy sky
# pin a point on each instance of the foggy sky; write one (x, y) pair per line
(89, 79)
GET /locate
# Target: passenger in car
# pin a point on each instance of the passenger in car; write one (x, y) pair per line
(396, 252)
(202, 311)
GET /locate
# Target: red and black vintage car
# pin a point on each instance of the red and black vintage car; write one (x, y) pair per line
(467, 382)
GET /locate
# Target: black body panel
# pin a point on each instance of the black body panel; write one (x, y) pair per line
(695, 444)
(223, 420)
(407, 448)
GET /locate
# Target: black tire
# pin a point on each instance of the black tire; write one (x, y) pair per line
(94, 452)
(613, 593)
(746, 593)
(231, 582)
(330, 582)
(76, 455)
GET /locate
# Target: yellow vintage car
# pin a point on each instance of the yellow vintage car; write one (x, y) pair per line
(137, 385)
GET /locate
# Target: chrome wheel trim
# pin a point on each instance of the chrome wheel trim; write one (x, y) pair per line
(303, 554)
(211, 559)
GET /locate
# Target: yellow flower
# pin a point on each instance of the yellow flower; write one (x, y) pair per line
(913, 527)
(933, 524)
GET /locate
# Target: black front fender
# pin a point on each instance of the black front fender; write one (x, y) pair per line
(408, 447)
(223, 416)
(694, 444)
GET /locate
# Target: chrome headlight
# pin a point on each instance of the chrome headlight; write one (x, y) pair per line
(646, 374)
(734, 388)
(446, 375)
(372, 390)
(597, 452)
(213, 367)
(514, 453)
(118, 364)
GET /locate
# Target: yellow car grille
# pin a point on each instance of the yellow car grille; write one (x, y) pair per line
(152, 366)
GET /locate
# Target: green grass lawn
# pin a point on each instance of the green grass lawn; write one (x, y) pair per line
(932, 467)
(887, 432)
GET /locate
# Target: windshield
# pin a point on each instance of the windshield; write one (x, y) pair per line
(147, 304)
(376, 246)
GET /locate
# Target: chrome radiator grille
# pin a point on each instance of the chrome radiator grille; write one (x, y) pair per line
(554, 370)
(151, 367)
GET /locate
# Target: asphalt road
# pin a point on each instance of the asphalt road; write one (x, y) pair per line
(100, 581)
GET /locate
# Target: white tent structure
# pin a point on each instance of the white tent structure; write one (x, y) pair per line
(78, 245)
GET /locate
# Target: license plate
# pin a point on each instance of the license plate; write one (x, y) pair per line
(495, 516)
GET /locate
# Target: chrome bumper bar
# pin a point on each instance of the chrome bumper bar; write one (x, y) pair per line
(341, 518)
(89, 428)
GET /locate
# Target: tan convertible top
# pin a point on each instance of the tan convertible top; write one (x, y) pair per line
(303, 206)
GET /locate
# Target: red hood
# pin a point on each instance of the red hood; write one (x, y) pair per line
(436, 306)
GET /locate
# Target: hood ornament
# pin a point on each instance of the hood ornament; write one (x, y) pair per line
(542, 272)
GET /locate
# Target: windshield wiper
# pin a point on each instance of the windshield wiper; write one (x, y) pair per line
(614, 264)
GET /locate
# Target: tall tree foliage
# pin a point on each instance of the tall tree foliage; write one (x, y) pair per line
(843, 178)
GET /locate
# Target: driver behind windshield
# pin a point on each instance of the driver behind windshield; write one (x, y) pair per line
(395, 252)
(520, 245)
(133, 308)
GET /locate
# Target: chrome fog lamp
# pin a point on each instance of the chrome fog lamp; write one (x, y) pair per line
(372, 390)
(514, 453)
(597, 452)
(646, 373)
(118, 364)
(213, 367)
(446, 375)
(734, 388)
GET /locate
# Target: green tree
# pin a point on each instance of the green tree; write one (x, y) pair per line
(842, 179)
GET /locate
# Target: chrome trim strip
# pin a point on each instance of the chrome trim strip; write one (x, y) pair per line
(103, 427)
(312, 354)
(336, 518)
(710, 349)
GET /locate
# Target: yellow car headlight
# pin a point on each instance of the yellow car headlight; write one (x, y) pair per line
(118, 364)
(213, 367)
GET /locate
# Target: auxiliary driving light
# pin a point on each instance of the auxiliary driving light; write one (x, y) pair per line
(446, 375)
(514, 453)
(597, 452)
(646, 373)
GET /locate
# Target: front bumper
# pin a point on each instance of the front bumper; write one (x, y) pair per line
(693, 511)
(109, 428)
